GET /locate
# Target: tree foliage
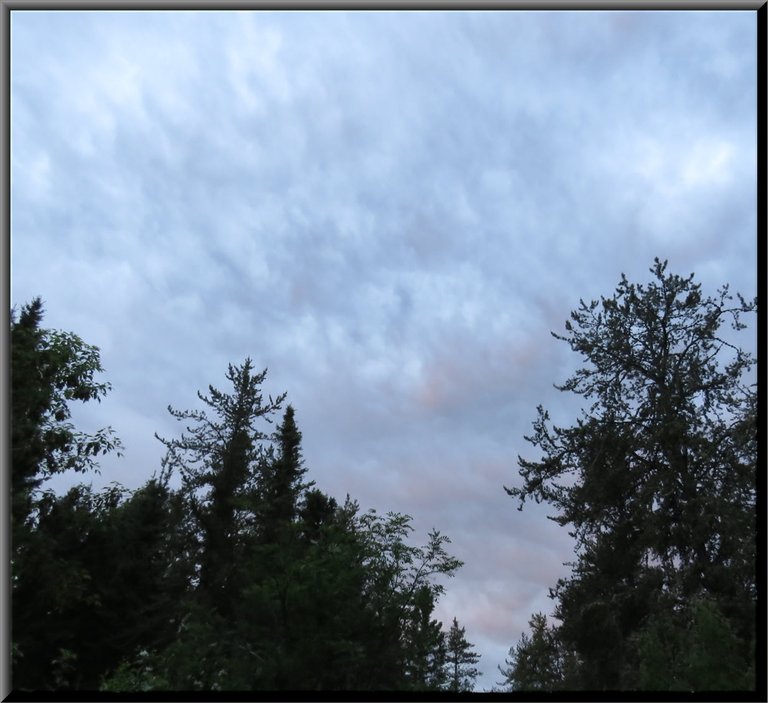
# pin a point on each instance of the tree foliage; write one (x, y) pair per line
(217, 459)
(657, 478)
(537, 662)
(97, 578)
(52, 582)
(694, 648)
(49, 370)
(280, 484)
(228, 570)
(460, 660)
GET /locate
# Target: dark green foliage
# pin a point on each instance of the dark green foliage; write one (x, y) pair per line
(398, 583)
(292, 591)
(53, 590)
(426, 651)
(49, 369)
(135, 675)
(281, 483)
(656, 479)
(537, 662)
(218, 460)
(460, 660)
(310, 608)
(692, 649)
(327, 608)
(97, 580)
(102, 582)
(244, 578)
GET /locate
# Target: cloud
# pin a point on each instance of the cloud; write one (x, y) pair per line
(391, 215)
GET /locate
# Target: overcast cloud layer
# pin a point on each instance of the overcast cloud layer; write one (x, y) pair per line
(390, 211)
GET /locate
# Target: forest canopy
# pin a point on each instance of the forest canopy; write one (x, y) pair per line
(229, 569)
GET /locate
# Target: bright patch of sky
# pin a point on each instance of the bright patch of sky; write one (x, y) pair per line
(391, 211)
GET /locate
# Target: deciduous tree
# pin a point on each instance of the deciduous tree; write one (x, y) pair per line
(49, 370)
(51, 579)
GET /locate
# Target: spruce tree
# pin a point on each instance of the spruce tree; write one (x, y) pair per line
(460, 660)
(281, 485)
(424, 644)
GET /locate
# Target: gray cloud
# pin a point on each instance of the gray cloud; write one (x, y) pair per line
(391, 212)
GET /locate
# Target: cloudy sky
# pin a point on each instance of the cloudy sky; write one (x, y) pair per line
(390, 211)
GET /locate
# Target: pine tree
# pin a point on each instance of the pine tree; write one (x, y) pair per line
(460, 660)
(657, 478)
(218, 461)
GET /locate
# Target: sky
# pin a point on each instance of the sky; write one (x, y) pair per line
(390, 212)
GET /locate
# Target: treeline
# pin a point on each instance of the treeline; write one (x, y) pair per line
(238, 575)
(657, 483)
(241, 574)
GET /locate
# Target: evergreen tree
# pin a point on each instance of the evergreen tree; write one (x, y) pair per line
(537, 662)
(691, 649)
(142, 571)
(424, 644)
(460, 660)
(246, 578)
(99, 582)
(316, 512)
(321, 611)
(657, 478)
(281, 484)
(218, 461)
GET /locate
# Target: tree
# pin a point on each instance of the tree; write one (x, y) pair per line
(537, 662)
(693, 650)
(139, 567)
(245, 578)
(398, 577)
(291, 590)
(425, 644)
(281, 484)
(49, 370)
(218, 461)
(99, 581)
(460, 660)
(313, 625)
(138, 674)
(657, 477)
